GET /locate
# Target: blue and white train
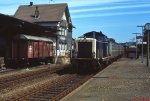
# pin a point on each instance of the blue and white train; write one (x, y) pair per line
(94, 50)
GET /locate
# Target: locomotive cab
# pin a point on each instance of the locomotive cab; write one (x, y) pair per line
(85, 55)
(85, 48)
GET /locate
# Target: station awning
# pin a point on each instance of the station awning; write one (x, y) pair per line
(10, 26)
(36, 38)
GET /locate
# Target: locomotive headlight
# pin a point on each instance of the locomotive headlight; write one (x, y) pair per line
(93, 54)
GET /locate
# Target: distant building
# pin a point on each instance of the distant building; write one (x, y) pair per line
(52, 16)
(131, 51)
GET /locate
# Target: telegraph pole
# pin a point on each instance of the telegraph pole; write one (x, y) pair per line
(142, 40)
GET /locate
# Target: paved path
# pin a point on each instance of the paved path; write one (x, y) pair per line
(124, 80)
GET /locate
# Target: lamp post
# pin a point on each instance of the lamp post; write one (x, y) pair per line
(136, 43)
(147, 28)
(142, 41)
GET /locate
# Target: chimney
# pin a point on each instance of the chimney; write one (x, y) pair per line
(31, 4)
(37, 13)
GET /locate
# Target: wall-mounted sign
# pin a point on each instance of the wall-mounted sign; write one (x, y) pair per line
(62, 38)
(139, 37)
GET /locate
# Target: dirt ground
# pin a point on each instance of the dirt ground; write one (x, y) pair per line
(123, 80)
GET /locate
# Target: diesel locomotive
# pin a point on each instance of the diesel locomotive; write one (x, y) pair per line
(94, 50)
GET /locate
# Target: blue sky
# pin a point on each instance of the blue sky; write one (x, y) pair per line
(117, 19)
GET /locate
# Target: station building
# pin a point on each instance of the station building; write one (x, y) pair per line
(52, 16)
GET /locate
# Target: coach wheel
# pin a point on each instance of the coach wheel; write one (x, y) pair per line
(109, 62)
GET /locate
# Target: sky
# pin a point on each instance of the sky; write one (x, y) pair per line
(117, 19)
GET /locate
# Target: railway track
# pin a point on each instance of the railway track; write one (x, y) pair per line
(42, 85)
(4, 71)
(50, 90)
(13, 81)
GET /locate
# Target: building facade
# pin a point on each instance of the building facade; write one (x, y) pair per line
(55, 16)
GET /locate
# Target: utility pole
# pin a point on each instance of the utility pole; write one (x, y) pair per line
(136, 44)
(142, 40)
(148, 50)
(51, 1)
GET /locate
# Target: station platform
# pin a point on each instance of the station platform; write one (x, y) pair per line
(123, 80)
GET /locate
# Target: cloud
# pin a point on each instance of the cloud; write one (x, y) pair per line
(79, 3)
(105, 26)
(109, 8)
(110, 14)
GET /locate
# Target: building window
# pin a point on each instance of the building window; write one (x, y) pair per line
(59, 46)
(65, 46)
(62, 46)
(65, 32)
(69, 20)
(62, 31)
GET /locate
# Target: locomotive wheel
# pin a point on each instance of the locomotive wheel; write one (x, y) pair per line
(96, 65)
(74, 65)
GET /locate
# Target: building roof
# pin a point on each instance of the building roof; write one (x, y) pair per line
(11, 26)
(47, 12)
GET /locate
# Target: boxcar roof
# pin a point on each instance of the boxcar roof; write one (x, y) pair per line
(29, 37)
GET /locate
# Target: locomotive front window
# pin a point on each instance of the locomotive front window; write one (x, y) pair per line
(85, 50)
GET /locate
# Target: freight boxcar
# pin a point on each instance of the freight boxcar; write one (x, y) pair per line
(27, 49)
